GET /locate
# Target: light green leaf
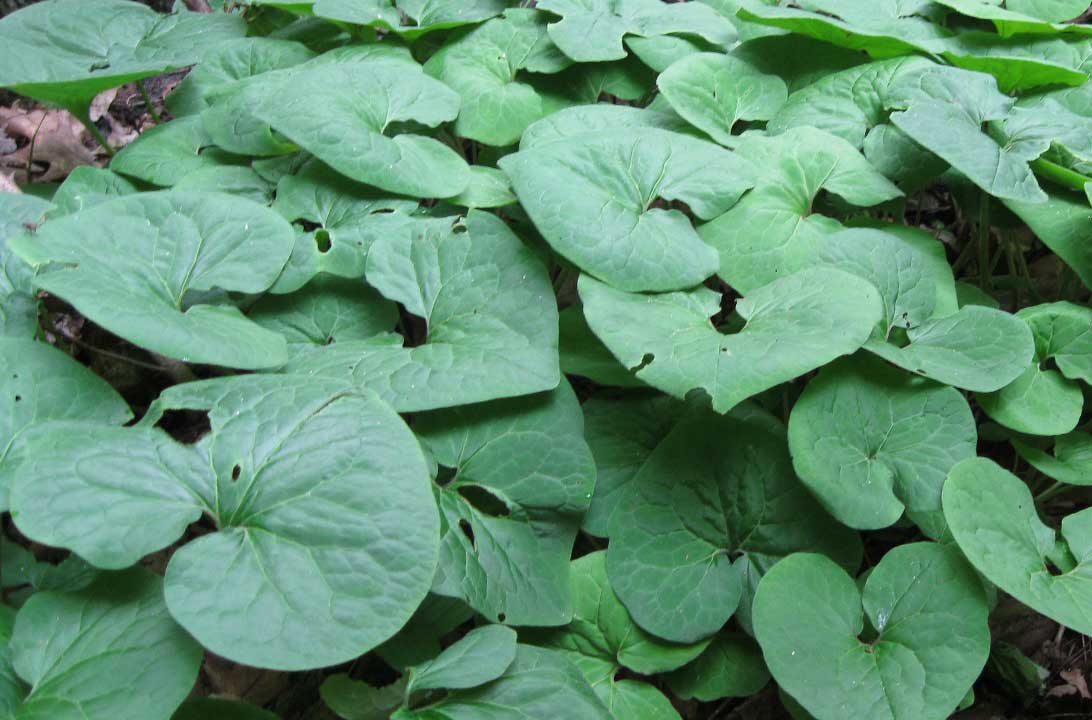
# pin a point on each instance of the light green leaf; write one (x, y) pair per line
(895, 27)
(591, 118)
(582, 353)
(943, 109)
(660, 52)
(86, 186)
(217, 709)
(993, 518)
(976, 348)
(348, 215)
(1063, 224)
(1022, 63)
(714, 91)
(773, 232)
(237, 180)
(488, 188)
(409, 18)
(1013, 17)
(871, 442)
(592, 30)
(539, 684)
(1071, 461)
(356, 700)
(732, 666)
(492, 330)
(236, 60)
(592, 199)
(167, 153)
(478, 657)
(328, 310)
(362, 100)
(926, 642)
(696, 512)
(602, 639)
(40, 384)
(18, 304)
(143, 267)
(108, 651)
(490, 67)
(283, 583)
(523, 478)
(68, 51)
(811, 317)
(622, 433)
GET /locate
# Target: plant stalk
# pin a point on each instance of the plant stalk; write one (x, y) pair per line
(156, 117)
(984, 279)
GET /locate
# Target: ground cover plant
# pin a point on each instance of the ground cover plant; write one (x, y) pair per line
(590, 359)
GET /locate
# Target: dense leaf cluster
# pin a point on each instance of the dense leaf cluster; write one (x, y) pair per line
(381, 241)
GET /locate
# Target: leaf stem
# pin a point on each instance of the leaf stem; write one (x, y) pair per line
(1051, 492)
(1059, 175)
(156, 117)
(984, 279)
(85, 117)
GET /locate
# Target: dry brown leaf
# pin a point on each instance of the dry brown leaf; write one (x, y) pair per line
(1076, 679)
(54, 137)
(7, 184)
(102, 103)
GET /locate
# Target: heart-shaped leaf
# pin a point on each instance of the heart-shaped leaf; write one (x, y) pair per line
(993, 518)
(716, 492)
(592, 30)
(591, 118)
(812, 316)
(166, 153)
(582, 353)
(976, 348)
(145, 267)
(1014, 17)
(361, 101)
(481, 294)
(602, 639)
(409, 18)
(793, 168)
(593, 197)
(40, 384)
(313, 562)
(108, 651)
(714, 91)
(925, 642)
(523, 478)
(872, 442)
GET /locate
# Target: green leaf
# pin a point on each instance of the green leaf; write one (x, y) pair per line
(1071, 461)
(1019, 64)
(871, 442)
(167, 153)
(68, 51)
(102, 260)
(495, 69)
(18, 304)
(927, 636)
(696, 513)
(328, 310)
(282, 583)
(622, 433)
(793, 168)
(217, 709)
(602, 639)
(714, 91)
(1061, 223)
(480, 656)
(409, 18)
(993, 518)
(86, 186)
(492, 332)
(902, 27)
(109, 651)
(582, 353)
(21, 574)
(732, 666)
(356, 700)
(40, 384)
(592, 30)
(1013, 17)
(812, 317)
(591, 118)
(488, 188)
(592, 198)
(237, 60)
(797, 59)
(539, 684)
(523, 478)
(420, 639)
(976, 348)
(944, 109)
(361, 101)
(348, 215)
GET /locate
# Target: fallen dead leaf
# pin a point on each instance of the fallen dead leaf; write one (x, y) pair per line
(101, 104)
(1076, 679)
(54, 138)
